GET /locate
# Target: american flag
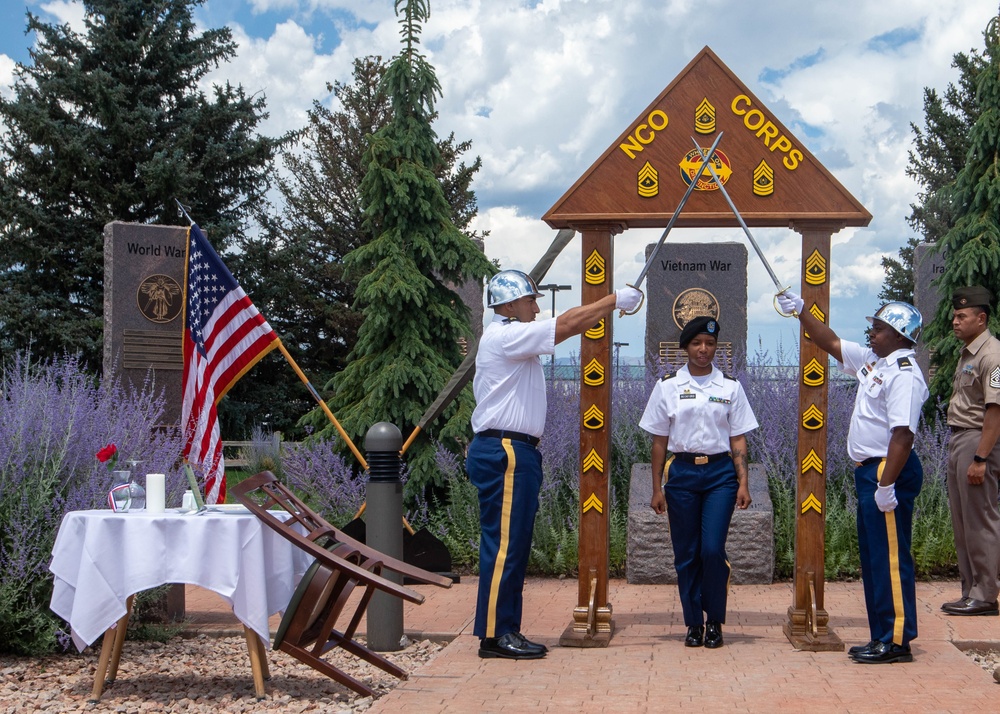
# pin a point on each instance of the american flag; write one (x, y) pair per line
(224, 336)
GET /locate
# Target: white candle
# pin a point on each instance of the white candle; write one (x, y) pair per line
(155, 493)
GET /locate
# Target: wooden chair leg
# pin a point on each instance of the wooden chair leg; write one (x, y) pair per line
(116, 655)
(111, 650)
(257, 661)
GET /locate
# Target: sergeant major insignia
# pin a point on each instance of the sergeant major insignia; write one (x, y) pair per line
(995, 378)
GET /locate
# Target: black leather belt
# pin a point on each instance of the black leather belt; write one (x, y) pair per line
(514, 435)
(869, 461)
(700, 458)
(957, 429)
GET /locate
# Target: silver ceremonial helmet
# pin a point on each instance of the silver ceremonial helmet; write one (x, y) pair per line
(902, 317)
(509, 285)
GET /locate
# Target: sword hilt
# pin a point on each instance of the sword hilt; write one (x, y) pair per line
(623, 313)
(777, 307)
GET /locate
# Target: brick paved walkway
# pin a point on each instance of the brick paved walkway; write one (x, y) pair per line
(647, 668)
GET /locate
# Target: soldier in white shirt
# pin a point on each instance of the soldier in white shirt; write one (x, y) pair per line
(503, 461)
(702, 416)
(888, 477)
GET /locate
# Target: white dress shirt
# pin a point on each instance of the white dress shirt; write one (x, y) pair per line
(698, 418)
(891, 393)
(509, 384)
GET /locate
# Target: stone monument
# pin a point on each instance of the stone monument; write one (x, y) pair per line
(692, 279)
(143, 301)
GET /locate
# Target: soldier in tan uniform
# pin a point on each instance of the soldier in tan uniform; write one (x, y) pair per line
(974, 454)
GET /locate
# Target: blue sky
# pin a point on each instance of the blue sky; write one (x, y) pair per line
(542, 88)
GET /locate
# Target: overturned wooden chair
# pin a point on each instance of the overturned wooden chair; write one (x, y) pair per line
(308, 629)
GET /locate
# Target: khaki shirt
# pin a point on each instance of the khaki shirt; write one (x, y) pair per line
(976, 383)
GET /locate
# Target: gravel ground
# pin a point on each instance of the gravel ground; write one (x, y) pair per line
(203, 674)
(211, 674)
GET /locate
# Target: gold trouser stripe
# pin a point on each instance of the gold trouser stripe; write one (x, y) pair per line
(508, 498)
(894, 577)
(666, 469)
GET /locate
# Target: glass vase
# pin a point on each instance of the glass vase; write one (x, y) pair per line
(120, 495)
(137, 496)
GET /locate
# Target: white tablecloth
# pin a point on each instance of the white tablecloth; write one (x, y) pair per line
(101, 557)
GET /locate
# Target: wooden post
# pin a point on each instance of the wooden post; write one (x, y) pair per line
(807, 627)
(592, 625)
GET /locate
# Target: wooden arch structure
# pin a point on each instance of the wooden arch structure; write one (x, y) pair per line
(637, 183)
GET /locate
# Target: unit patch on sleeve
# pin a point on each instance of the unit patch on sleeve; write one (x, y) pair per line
(995, 378)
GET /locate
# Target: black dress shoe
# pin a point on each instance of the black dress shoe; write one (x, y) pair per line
(972, 607)
(529, 645)
(507, 646)
(862, 648)
(885, 653)
(713, 635)
(695, 636)
(962, 601)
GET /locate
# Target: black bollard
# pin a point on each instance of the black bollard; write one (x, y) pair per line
(384, 530)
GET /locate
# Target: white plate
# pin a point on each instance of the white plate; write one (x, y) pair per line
(228, 508)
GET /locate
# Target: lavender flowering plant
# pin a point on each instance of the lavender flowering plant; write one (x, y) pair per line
(51, 416)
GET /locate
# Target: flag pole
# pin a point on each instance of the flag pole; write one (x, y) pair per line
(305, 380)
(323, 405)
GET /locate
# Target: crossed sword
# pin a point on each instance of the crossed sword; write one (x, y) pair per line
(707, 164)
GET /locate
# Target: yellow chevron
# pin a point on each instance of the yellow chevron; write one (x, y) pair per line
(704, 117)
(596, 332)
(593, 502)
(593, 418)
(814, 373)
(593, 269)
(813, 503)
(593, 461)
(593, 373)
(815, 268)
(649, 181)
(812, 418)
(812, 461)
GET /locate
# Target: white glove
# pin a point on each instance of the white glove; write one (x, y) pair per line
(885, 498)
(789, 302)
(627, 298)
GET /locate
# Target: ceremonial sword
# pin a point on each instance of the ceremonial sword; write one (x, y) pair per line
(743, 225)
(670, 224)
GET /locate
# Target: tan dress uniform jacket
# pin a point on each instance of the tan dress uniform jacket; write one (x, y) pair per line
(975, 514)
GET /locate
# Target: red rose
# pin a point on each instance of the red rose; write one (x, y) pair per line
(107, 453)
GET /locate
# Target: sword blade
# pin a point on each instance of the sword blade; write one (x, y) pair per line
(743, 225)
(677, 211)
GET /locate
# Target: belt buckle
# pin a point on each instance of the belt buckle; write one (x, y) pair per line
(701, 460)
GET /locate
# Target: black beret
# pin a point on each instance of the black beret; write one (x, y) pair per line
(973, 296)
(703, 325)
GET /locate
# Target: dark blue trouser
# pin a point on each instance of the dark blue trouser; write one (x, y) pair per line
(886, 561)
(700, 503)
(508, 475)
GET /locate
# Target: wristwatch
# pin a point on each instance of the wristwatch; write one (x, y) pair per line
(979, 459)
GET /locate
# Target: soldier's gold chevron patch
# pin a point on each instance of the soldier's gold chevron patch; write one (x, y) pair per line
(704, 117)
(596, 332)
(593, 502)
(812, 462)
(593, 373)
(763, 179)
(593, 418)
(649, 181)
(815, 268)
(813, 374)
(593, 460)
(812, 418)
(818, 313)
(813, 503)
(594, 269)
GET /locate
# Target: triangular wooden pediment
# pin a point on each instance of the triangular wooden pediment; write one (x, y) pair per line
(770, 175)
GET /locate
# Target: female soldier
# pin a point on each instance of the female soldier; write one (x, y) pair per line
(701, 415)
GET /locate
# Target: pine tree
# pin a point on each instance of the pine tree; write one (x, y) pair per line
(295, 269)
(941, 147)
(111, 125)
(972, 245)
(408, 346)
